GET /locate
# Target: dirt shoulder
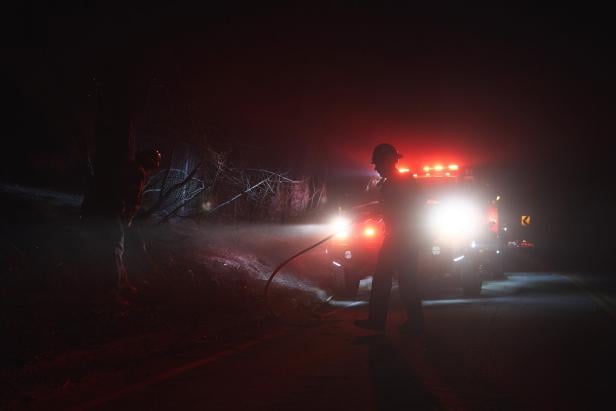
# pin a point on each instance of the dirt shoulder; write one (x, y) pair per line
(200, 288)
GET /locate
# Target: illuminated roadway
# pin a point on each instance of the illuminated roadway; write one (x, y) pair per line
(532, 341)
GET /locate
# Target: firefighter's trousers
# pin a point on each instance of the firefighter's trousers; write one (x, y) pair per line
(401, 258)
(107, 253)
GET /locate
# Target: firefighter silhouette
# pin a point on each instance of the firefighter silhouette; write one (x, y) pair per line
(110, 204)
(399, 205)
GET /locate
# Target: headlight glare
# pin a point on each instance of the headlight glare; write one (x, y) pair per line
(454, 220)
(341, 226)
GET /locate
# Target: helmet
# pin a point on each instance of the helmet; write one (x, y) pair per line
(149, 159)
(385, 150)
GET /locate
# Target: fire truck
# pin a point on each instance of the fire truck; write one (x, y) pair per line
(459, 228)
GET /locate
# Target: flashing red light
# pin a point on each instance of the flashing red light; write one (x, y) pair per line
(440, 170)
(492, 218)
(404, 170)
(369, 232)
(415, 175)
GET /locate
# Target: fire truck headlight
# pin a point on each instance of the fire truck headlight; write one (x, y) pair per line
(341, 227)
(455, 220)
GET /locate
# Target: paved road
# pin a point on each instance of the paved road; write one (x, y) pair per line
(532, 341)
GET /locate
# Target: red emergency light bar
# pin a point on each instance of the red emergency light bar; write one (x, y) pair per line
(439, 168)
(434, 171)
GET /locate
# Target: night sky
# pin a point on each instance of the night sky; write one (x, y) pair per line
(474, 86)
(528, 94)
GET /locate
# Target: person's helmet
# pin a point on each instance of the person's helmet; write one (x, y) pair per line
(385, 150)
(149, 159)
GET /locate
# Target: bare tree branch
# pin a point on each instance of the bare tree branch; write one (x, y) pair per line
(282, 177)
(175, 210)
(162, 185)
(236, 197)
(164, 196)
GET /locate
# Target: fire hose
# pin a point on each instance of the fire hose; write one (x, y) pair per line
(305, 250)
(288, 260)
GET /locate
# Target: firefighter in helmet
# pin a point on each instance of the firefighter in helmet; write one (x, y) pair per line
(146, 162)
(109, 207)
(399, 205)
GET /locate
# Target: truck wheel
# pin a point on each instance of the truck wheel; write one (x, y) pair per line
(471, 279)
(346, 283)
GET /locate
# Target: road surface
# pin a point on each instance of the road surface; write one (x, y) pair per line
(531, 341)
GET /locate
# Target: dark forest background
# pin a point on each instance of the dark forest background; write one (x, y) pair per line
(524, 96)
